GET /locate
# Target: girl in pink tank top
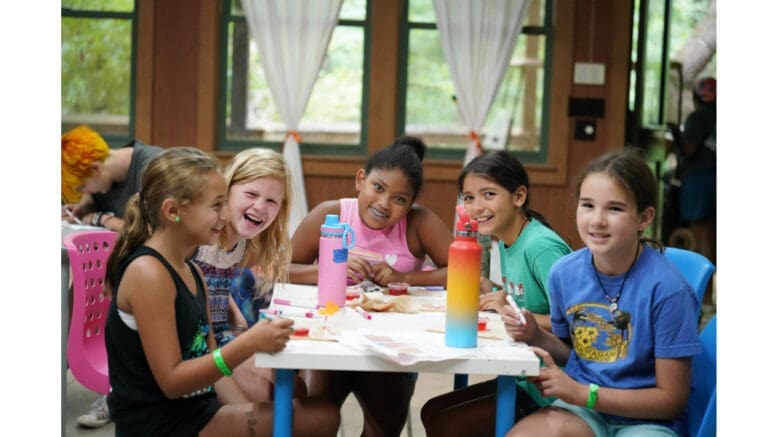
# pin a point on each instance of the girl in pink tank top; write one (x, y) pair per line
(393, 238)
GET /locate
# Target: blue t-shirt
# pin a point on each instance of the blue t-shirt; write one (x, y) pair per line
(663, 322)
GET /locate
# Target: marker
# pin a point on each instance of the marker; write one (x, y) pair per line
(296, 312)
(362, 312)
(279, 301)
(267, 314)
(512, 303)
(70, 213)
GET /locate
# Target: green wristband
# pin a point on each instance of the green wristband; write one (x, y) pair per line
(592, 396)
(219, 360)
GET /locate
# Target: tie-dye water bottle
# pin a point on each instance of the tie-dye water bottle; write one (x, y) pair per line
(464, 256)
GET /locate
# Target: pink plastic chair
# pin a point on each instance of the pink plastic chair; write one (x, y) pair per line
(86, 355)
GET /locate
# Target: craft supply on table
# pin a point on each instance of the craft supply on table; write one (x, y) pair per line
(515, 308)
(397, 288)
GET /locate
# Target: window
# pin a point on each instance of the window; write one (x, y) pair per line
(98, 53)
(428, 106)
(333, 119)
(661, 29)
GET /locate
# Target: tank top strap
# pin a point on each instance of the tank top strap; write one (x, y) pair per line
(179, 284)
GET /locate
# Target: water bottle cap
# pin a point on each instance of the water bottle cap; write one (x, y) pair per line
(464, 223)
(332, 220)
(332, 225)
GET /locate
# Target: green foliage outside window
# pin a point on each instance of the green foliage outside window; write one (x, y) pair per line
(96, 50)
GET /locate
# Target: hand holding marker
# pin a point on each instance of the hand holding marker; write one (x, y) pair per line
(512, 303)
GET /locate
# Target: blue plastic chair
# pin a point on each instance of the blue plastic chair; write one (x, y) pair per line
(702, 402)
(695, 267)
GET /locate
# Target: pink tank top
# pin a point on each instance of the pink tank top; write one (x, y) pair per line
(387, 245)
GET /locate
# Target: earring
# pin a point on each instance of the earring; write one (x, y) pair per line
(177, 219)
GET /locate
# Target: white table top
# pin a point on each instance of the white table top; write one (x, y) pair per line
(491, 357)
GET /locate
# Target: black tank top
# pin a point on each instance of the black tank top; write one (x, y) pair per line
(134, 391)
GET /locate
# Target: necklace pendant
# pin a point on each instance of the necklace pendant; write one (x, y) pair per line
(613, 307)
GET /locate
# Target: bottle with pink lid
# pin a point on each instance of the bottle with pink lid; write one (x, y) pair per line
(463, 288)
(336, 238)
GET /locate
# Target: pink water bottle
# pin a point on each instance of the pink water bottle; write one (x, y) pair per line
(333, 248)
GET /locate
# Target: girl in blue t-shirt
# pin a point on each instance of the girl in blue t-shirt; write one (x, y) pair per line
(623, 318)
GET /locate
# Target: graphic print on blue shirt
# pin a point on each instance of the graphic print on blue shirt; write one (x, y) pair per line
(596, 335)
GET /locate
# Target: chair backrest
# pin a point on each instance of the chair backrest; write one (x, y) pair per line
(695, 267)
(703, 399)
(88, 252)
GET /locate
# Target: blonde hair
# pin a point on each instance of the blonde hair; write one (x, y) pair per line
(271, 249)
(177, 173)
(81, 147)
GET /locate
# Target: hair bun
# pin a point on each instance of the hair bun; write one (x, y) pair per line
(415, 143)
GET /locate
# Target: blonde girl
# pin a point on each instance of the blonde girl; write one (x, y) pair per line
(256, 237)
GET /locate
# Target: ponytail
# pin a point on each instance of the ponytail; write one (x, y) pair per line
(134, 232)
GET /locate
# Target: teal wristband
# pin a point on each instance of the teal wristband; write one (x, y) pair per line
(219, 360)
(592, 396)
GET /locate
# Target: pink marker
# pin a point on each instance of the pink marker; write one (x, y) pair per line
(296, 312)
(279, 301)
(362, 312)
(515, 308)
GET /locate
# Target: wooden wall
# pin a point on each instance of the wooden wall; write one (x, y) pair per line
(177, 97)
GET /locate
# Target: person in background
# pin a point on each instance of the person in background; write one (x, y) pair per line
(167, 375)
(96, 184)
(697, 171)
(494, 189)
(97, 181)
(624, 320)
(393, 236)
(256, 237)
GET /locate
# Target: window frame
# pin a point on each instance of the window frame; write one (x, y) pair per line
(528, 157)
(224, 144)
(114, 140)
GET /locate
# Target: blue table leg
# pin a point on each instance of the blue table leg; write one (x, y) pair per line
(460, 380)
(505, 404)
(283, 409)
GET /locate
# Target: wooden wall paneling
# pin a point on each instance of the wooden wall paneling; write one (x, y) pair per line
(555, 171)
(144, 71)
(176, 26)
(208, 74)
(619, 66)
(322, 188)
(384, 54)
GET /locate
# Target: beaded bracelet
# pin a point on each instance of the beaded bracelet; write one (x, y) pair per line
(107, 215)
(96, 218)
(219, 360)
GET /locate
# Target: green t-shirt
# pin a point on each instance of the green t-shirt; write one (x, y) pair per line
(526, 265)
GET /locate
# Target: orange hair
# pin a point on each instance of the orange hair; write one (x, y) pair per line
(81, 147)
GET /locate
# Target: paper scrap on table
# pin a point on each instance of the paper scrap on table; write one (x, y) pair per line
(404, 349)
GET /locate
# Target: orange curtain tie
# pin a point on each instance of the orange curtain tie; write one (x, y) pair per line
(295, 135)
(474, 137)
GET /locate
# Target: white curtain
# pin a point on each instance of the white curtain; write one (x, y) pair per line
(292, 37)
(478, 38)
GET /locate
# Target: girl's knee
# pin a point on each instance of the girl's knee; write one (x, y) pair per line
(316, 417)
